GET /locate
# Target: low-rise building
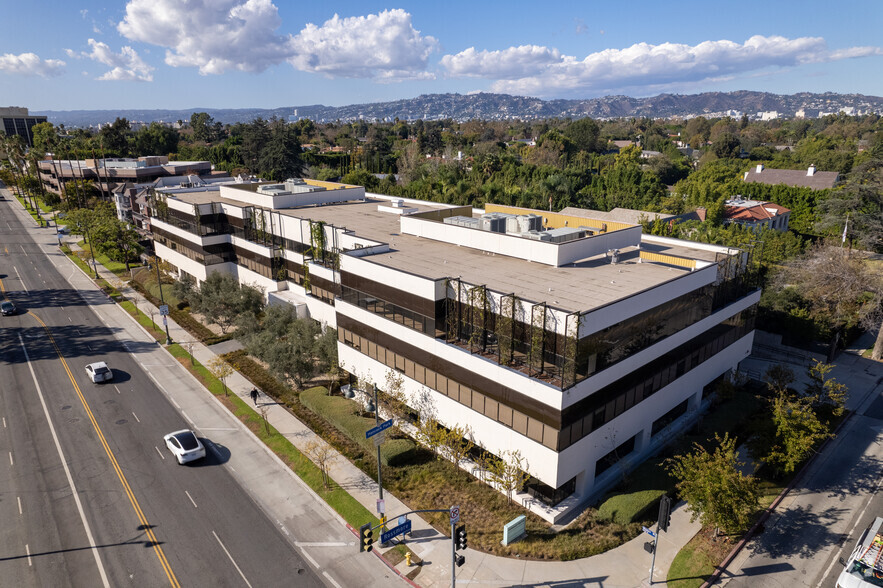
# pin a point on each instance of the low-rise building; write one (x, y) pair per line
(578, 342)
(809, 178)
(756, 214)
(110, 174)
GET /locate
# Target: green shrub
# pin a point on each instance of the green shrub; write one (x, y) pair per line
(257, 375)
(340, 413)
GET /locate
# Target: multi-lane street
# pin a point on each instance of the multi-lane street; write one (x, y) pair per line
(90, 496)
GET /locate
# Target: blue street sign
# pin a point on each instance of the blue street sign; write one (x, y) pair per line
(400, 530)
(648, 531)
(381, 427)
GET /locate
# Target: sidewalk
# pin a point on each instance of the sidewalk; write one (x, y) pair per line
(274, 486)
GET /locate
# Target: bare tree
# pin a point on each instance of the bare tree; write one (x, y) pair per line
(509, 472)
(321, 453)
(220, 369)
(839, 288)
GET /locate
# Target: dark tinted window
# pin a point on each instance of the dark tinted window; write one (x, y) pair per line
(188, 440)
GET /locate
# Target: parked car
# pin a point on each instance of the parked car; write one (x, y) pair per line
(99, 372)
(864, 568)
(185, 446)
(7, 308)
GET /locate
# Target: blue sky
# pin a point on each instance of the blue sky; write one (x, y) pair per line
(62, 55)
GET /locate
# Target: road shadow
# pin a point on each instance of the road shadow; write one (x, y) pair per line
(75, 342)
(215, 454)
(800, 532)
(138, 540)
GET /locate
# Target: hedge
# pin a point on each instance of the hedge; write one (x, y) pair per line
(339, 412)
(257, 375)
(184, 319)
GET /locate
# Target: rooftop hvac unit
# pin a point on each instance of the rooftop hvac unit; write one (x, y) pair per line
(493, 222)
(537, 235)
(565, 234)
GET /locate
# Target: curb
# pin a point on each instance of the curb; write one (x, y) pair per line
(713, 579)
(384, 560)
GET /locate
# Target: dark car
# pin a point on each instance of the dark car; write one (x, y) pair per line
(7, 308)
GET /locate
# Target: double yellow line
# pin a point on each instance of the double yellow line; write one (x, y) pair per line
(116, 466)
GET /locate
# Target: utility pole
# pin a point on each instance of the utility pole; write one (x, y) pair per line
(165, 319)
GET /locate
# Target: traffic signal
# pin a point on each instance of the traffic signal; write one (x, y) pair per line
(459, 560)
(664, 513)
(649, 547)
(460, 540)
(366, 537)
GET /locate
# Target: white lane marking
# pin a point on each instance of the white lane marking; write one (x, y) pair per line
(136, 417)
(312, 561)
(67, 471)
(244, 579)
(10, 459)
(191, 499)
(330, 579)
(160, 452)
(28, 551)
(118, 390)
(4, 422)
(321, 544)
(19, 504)
(20, 280)
(23, 250)
(70, 319)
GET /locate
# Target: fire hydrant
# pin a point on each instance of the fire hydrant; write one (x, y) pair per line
(408, 558)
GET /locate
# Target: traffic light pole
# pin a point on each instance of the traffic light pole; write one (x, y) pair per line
(453, 555)
(653, 562)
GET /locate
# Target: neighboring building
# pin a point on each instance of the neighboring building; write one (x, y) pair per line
(17, 121)
(109, 175)
(817, 180)
(575, 340)
(756, 214)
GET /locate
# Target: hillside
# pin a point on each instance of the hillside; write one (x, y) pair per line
(502, 107)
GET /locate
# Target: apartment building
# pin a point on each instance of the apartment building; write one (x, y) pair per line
(579, 342)
(15, 120)
(110, 175)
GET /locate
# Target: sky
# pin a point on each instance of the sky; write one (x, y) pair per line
(183, 54)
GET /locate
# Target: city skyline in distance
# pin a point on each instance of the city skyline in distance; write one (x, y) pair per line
(164, 54)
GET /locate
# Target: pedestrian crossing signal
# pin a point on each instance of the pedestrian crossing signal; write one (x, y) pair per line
(366, 538)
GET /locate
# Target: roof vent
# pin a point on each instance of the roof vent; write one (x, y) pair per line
(613, 254)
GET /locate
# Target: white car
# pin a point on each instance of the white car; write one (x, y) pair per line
(185, 446)
(99, 372)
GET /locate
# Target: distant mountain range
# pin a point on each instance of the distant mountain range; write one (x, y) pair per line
(504, 107)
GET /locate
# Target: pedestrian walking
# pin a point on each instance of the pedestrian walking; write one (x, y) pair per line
(254, 396)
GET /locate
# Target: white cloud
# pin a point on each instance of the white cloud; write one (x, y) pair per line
(542, 71)
(509, 64)
(125, 65)
(215, 36)
(385, 46)
(30, 64)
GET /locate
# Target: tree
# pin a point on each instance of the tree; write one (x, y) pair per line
(220, 369)
(429, 434)
(826, 394)
(321, 453)
(115, 137)
(456, 443)
(156, 139)
(280, 157)
(861, 201)
(798, 430)
(509, 472)
(117, 240)
(838, 288)
(585, 134)
(222, 300)
(184, 288)
(716, 491)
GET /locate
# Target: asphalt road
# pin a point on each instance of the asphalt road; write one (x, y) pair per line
(91, 496)
(821, 520)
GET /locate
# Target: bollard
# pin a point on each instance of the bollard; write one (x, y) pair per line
(408, 558)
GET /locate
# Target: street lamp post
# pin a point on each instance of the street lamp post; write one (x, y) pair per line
(165, 319)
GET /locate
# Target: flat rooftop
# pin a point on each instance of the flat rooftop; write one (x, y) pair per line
(587, 284)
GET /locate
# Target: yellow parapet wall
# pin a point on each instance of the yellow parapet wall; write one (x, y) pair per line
(556, 220)
(668, 259)
(328, 185)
